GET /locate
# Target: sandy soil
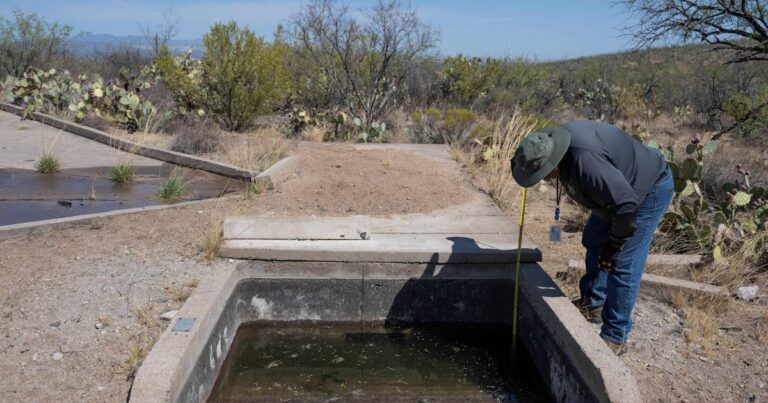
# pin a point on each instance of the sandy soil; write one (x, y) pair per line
(77, 303)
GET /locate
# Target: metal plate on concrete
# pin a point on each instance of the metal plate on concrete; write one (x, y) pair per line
(183, 324)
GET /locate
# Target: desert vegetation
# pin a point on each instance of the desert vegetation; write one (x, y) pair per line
(332, 74)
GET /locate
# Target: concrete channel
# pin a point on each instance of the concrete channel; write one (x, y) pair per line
(412, 269)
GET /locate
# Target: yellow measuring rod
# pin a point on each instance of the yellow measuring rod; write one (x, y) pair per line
(517, 272)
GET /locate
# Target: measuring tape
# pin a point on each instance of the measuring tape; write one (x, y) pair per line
(517, 272)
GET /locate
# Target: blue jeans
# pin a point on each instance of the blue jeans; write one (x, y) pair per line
(617, 291)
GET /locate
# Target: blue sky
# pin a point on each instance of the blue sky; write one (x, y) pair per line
(544, 29)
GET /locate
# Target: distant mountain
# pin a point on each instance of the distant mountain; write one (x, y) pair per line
(92, 43)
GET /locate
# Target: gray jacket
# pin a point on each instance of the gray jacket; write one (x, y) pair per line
(610, 172)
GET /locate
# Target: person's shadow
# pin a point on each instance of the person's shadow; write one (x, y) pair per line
(458, 302)
(456, 290)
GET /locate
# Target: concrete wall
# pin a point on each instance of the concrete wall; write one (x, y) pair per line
(182, 366)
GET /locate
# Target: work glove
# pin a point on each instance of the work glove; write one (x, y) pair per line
(608, 257)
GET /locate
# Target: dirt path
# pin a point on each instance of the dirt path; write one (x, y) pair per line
(80, 306)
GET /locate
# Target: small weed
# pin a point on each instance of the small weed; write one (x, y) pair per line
(92, 195)
(254, 189)
(180, 293)
(174, 187)
(104, 319)
(761, 328)
(48, 164)
(134, 356)
(700, 328)
(122, 173)
(701, 317)
(213, 237)
(144, 314)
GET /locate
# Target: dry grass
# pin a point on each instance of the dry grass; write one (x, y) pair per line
(214, 235)
(157, 140)
(702, 315)
(180, 293)
(507, 134)
(254, 151)
(254, 189)
(701, 327)
(145, 315)
(465, 158)
(760, 332)
(104, 319)
(314, 133)
(134, 356)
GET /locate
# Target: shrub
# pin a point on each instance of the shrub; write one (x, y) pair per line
(465, 79)
(122, 173)
(529, 86)
(238, 77)
(29, 40)
(363, 56)
(48, 164)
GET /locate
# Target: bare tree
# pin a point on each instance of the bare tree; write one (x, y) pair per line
(160, 34)
(737, 25)
(365, 63)
(29, 40)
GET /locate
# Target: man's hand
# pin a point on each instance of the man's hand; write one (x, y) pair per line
(609, 255)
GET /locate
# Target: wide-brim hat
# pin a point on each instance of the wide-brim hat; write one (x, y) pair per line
(538, 154)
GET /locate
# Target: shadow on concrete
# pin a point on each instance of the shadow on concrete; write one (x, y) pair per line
(478, 296)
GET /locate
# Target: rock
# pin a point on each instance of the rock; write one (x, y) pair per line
(57, 356)
(99, 325)
(169, 315)
(747, 293)
(55, 324)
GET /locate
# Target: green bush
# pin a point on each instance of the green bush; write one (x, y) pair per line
(527, 86)
(238, 77)
(464, 80)
(29, 40)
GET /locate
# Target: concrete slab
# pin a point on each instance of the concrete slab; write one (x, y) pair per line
(279, 172)
(674, 260)
(23, 141)
(349, 227)
(659, 286)
(173, 157)
(403, 248)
